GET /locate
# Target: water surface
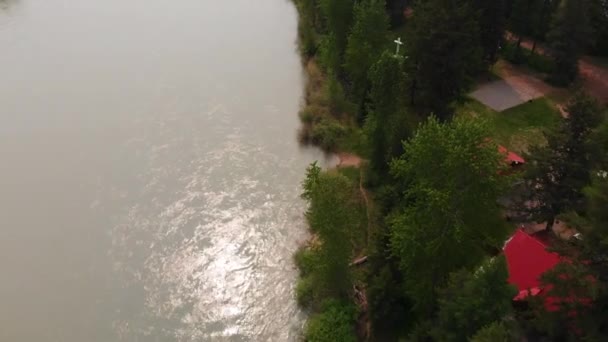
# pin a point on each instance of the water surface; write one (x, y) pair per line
(149, 170)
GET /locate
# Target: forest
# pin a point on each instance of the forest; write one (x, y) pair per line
(409, 243)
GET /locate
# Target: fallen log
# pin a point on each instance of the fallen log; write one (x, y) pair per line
(358, 261)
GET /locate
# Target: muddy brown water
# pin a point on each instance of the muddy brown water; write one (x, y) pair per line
(149, 170)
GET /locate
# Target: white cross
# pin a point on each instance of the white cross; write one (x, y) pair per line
(399, 43)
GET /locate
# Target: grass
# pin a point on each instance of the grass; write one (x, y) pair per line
(516, 128)
(533, 60)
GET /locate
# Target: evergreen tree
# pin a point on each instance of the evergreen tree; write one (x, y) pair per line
(520, 18)
(338, 17)
(449, 216)
(396, 9)
(386, 123)
(492, 22)
(446, 53)
(560, 170)
(309, 25)
(472, 300)
(599, 25)
(365, 43)
(569, 36)
(542, 12)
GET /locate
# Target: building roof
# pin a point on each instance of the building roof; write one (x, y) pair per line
(527, 259)
(511, 157)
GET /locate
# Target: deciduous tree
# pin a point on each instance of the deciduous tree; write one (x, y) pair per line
(330, 215)
(449, 216)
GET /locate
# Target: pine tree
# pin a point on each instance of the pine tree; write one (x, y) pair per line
(492, 23)
(599, 24)
(560, 170)
(395, 9)
(446, 53)
(569, 35)
(337, 16)
(386, 123)
(472, 300)
(365, 42)
(520, 19)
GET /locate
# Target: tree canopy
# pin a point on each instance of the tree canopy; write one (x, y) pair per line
(449, 216)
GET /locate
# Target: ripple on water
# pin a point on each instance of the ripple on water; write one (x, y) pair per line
(214, 259)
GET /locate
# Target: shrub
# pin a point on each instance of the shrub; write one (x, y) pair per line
(306, 115)
(335, 323)
(327, 133)
(305, 291)
(305, 259)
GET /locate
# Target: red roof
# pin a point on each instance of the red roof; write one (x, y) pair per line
(511, 157)
(527, 259)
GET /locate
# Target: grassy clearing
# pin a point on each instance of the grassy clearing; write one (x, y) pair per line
(518, 127)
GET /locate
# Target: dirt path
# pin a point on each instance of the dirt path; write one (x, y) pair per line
(359, 290)
(594, 76)
(515, 87)
(353, 160)
(349, 160)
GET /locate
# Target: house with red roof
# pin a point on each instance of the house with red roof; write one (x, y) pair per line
(527, 259)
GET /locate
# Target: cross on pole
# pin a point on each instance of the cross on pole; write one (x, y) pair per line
(399, 43)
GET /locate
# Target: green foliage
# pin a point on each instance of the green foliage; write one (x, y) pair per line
(387, 122)
(306, 259)
(331, 216)
(446, 53)
(333, 324)
(305, 291)
(572, 307)
(568, 38)
(492, 22)
(559, 171)
(388, 306)
(472, 300)
(533, 60)
(597, 199)
(599, 24)
(449, 216)
(395, 9)
(494, 332)
(327, 133)
(569, 288)
(521, 17)
(365, 42)
(337, 16)
(517, 127)
(338, 104)
(308, 24)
